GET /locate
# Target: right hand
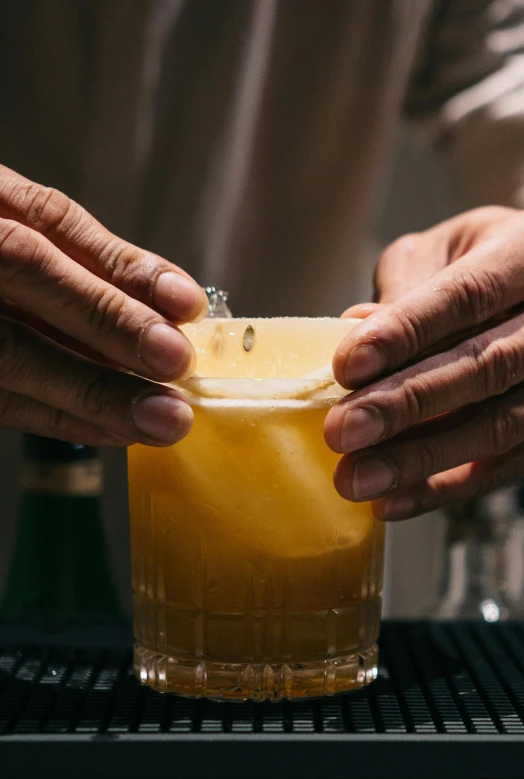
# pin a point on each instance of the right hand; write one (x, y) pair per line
(438, 369)
(78, 304)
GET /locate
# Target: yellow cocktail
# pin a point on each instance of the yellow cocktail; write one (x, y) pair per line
(252, 577)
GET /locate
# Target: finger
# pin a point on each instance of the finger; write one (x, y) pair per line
(480, 367)
(14, 312)
(141, 274)
(410, 261)
(37, 276)
(360, 311)
(415, 258)
(481, 431)
(485, 282)
(461, 483)
(126, 406)
(30, 416)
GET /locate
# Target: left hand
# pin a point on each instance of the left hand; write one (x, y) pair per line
(83, 315)
(438, 415)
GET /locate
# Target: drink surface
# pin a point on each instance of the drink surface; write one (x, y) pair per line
(279, 348)
(243, 553)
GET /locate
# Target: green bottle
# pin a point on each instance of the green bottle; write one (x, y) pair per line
(60, 570)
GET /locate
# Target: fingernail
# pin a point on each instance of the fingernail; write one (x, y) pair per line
(371, 477)
(399, 507)
(167, 352)
(163, 418)
(364, 363)
(360, 428)
(181, 297)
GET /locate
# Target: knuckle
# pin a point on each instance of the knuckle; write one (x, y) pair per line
(44, 206)
(414, 331)
(505, 428)
(476, 294)
(498, 367)
(108, 312)
(418, 400)
(492, 213)
(117, 257)
(22, 251)
(407, 245)
(9, 232)
(95, 396)
(428, 458)
(59, 422)
(47, 210)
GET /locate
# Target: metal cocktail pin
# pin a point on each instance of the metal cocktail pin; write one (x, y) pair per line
(218, 307)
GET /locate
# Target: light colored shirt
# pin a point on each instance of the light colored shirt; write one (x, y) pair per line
(246, 140)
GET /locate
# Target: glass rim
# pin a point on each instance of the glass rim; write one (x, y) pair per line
(280, 382)
(271, 319)
(297, 391)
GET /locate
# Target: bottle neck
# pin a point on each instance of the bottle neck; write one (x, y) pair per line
(52, 467)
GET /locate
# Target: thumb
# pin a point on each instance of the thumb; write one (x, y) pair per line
(360, 311)
(408, 262)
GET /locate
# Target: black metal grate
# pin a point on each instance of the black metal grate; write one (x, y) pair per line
(438, 683)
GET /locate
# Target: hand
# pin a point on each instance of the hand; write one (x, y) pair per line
(438, 412)
(76, 305)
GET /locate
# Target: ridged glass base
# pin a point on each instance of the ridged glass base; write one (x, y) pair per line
(255, 681)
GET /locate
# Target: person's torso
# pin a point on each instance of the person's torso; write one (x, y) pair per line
(241, 138)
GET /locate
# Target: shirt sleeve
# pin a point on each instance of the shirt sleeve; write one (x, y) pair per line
(467, 96)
